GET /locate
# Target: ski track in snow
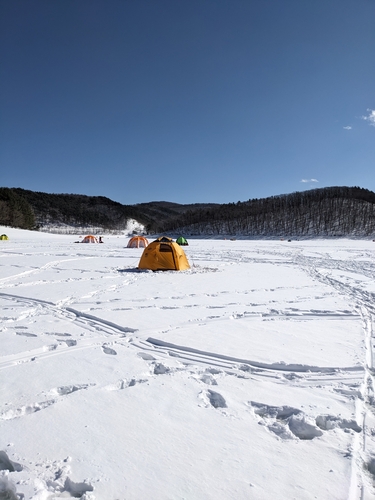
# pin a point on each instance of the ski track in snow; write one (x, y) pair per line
(320, 269)
(343, 277)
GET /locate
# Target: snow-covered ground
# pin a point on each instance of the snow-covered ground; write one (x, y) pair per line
(249, 376)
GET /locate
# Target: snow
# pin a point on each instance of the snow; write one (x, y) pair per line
(131, 227)
(251, 375)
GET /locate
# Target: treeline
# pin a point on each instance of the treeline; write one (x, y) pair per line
(334, 211)
(15, 211)
(161, 213)
(37, 210)
(78, 210)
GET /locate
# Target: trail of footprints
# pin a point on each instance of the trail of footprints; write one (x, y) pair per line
(290, 423)
(35, 407)
(285, 422)
(28, 409)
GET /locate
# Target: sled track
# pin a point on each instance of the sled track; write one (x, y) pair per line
(178, 349)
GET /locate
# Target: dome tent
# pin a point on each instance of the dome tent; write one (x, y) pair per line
(163, 254)
(182, 241)
(137, 242)
(4, 237)
(89, 239)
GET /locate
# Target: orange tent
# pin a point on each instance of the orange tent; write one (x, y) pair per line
(89, 239)
(137, 242)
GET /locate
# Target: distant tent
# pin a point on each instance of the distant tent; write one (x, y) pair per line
(182, 241)
(89, 239)
(137, 242)
(4, 237)
(163, 254)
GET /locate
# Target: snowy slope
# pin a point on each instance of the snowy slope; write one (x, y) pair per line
(132, 226)
(248, 376)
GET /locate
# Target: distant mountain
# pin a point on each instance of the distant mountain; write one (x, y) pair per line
(332, 211)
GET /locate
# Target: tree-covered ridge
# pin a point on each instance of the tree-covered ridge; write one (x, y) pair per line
(333, 211)
(80, 210)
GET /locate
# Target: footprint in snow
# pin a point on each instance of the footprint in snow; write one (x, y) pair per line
(216, 399)
(26, 334)
(208, 379)
(51, 347)
(70, 342)
(160, 369)
(123, 384)
(245, 368)
(328, 422)
(301, 428)
(370, 466)
(58, 334)
(7, 464)
(26, 410)
(64, 390)
(146, 356)
(108, 350)
(213, 371)
(77, 490)
(213, 398)
(292, 376)
(285, 421)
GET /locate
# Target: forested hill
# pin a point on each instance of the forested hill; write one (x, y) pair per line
(333, 211)
(36, 210)
(70, 209)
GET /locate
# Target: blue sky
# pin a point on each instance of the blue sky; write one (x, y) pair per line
(187, 100)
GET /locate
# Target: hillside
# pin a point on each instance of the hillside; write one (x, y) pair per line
(333, 211)
(36, 210)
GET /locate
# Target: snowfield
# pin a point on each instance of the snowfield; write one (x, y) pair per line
(249, 376)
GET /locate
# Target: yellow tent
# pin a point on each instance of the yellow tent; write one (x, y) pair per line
(163, 254)
(4, 237)
(137, 242)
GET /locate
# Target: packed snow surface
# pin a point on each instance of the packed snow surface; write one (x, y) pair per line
(249, 376)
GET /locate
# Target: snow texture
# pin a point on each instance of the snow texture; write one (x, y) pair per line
(248, 376)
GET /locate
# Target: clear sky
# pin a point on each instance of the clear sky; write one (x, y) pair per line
(187, 100)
